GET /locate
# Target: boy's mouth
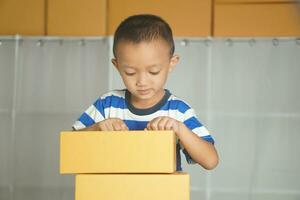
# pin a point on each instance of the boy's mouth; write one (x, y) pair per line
(143, 92)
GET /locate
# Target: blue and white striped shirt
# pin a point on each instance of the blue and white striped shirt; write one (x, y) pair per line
(116, 104)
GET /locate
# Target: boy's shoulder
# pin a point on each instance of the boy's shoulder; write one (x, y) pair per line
(114, 94)
(115, 98)
(178, 103)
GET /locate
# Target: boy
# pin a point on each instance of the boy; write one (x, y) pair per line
(143, 49)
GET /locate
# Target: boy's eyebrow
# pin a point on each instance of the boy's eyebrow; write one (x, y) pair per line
(150, 66)
(127, 66)
(155, 65)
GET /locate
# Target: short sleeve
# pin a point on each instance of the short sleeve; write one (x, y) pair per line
(94, 114)
(192, 122)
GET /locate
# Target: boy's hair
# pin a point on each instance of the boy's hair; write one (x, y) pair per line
(144, 27)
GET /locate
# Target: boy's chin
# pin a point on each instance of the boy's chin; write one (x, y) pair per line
(149, 95)
(143, 97)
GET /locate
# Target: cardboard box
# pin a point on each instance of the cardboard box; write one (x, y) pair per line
(118, 152)
(22, 17)
(254, 1)
(132, 187)
(76, 18)
(187, 18)
(252, 20)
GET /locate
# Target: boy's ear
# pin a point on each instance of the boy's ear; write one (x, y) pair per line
(115, 63)
(173, 62)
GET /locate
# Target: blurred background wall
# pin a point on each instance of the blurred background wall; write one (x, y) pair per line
(240, 60)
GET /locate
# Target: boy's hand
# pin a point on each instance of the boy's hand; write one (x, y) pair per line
(112, 124)
(164, 123)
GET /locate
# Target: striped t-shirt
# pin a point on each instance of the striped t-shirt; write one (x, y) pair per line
(116, 104)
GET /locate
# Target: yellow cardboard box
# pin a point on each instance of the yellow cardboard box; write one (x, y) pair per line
(118, 152)
(132, 186)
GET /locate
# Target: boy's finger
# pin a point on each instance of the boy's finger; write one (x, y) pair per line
(102, 127)
(169, 125)
(109, 126)
(123, 126)
(106, 127)
(116, 126)
(152, 126)
(162, 123)
(154, 123)
(149, 126)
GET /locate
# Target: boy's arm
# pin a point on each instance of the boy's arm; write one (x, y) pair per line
(201, 151)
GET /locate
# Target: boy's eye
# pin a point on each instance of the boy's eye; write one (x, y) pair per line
(129, 73)
(154, 73)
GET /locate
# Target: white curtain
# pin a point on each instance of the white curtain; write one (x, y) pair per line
(245, 91)
(44, 87)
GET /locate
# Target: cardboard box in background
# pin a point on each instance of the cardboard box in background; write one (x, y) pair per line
(22, 17)
(257, 19)
(76, 18)
(132, 186)
(118, 152)
(188, 18)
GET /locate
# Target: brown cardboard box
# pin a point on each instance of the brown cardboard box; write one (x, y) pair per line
(250, 20)
(254, 1)
(118, 152)
(22, 17)
(186, 18)
(76, 17)
(132, 186)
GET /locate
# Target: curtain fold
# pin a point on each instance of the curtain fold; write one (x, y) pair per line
(244, 91)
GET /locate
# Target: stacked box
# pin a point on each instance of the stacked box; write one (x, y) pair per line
(121, 165)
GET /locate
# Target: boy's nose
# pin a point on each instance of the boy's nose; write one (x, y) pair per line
(141, 81)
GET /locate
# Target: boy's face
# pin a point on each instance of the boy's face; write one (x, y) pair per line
(144, 68)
